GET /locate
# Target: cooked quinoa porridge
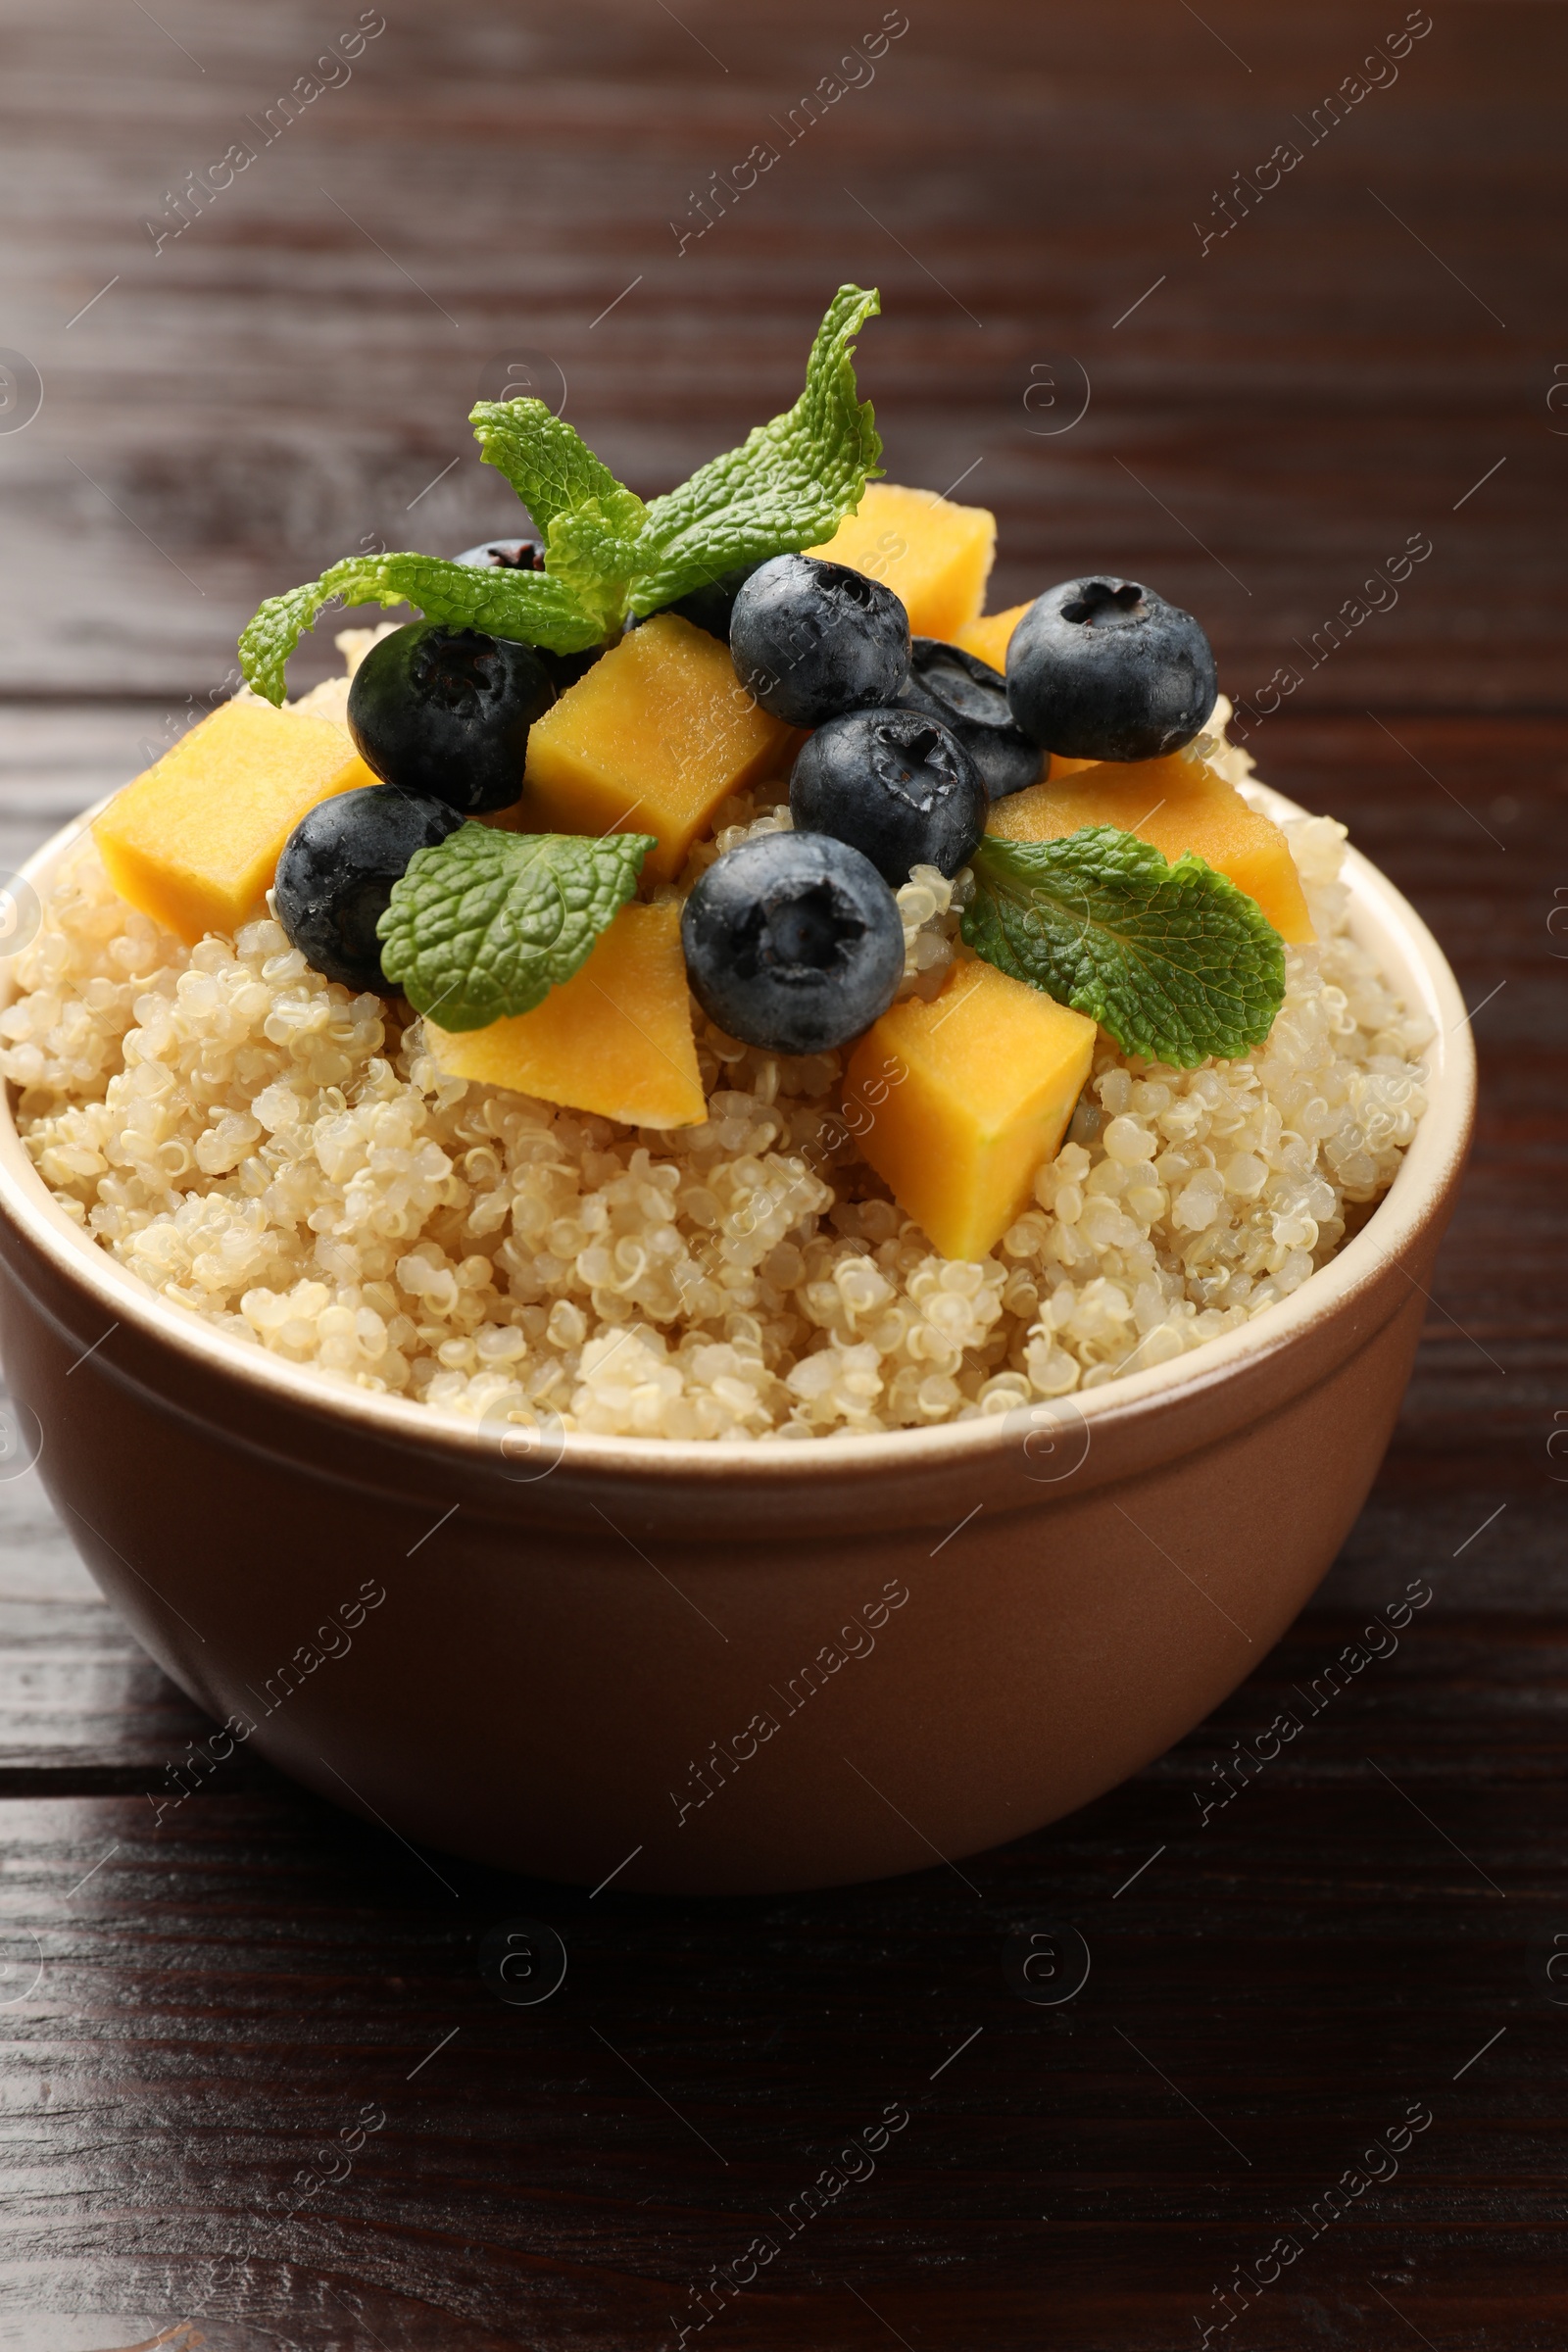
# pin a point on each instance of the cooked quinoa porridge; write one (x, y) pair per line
(285, 1159)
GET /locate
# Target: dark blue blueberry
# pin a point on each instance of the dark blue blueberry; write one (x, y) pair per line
(897, 785)
(811, 639)
(712, 607)
(335, 876)
(565, 669)
(1104, 668)
(447, 712)
(526, 555)
(971, 698)
(793, 943)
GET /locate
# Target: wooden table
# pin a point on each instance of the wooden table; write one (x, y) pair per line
(200, 2014)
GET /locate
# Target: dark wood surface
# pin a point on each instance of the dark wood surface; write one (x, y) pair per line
(219, 1997)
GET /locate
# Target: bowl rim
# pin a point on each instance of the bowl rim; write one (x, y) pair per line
(1421, 1183)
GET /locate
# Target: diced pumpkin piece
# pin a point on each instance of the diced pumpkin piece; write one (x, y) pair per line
(614, 1039)
(1177, 805)
(650, 740)
(934, 554)
(989, 635)
(965, 1098)
(195, 841)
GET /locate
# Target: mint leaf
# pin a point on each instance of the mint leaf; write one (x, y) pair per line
(593, 559)
(789, 485)
(486, 923)
(528, 605)
(550, 465)
(1173, 961)
(592, 525)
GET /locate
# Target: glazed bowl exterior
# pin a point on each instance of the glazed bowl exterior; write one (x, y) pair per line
(710, 1668)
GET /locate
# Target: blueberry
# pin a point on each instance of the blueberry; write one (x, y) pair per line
(811, 639)
(897, 785)
(565, 669)
(336, 873)
(793, 943)
(1105, 670)
(447, 712)
(526, 555)
(971, 698)
(712, 605)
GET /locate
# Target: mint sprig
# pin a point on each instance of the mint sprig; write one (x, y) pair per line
(590, 553)
(547, 462)
(606, 556)
(592, 525)
(526, 604)
(486, 923)
(790, 483)
(1173, 961)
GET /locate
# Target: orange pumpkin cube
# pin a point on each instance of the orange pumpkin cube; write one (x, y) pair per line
(195, 841)
(651, 740)
(614, 1039)
(1179, 805)
(965, 1098)
(933, 554)
(991, 635)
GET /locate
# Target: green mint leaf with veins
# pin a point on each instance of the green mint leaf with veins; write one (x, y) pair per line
(528, 605)
(593, 559)
(486, 923)
(591, 524)
(550, 465)
(1173, 961)
(789, 485)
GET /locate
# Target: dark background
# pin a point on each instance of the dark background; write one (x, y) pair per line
(1370, 354)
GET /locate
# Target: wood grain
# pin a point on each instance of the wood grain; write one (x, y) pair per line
(236, 1979)
(220, 1991)
(283, 380)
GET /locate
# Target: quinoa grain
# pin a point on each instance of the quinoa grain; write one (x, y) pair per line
(285, 1159)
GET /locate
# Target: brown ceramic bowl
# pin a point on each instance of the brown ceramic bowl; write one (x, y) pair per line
(711, 1668)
